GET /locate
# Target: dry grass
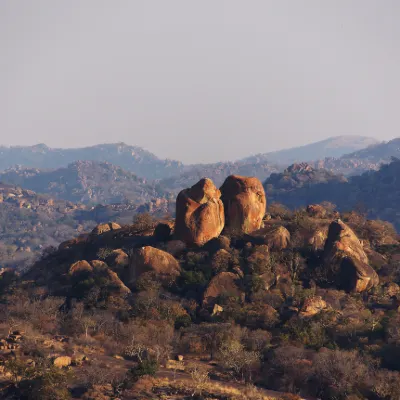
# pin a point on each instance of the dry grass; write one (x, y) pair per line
(213, 388)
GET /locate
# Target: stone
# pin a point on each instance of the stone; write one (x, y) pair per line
(217, 310)
(226, 284)
(244, 203)
(150, 259)
(62, 362)
(199, 213)
(80, 267)
(346, 260)
(312, 306)
(276, 237)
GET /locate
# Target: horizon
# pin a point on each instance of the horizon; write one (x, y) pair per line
(211, 162)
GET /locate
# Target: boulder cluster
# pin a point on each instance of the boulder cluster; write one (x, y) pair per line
(203, 211)
(212, 217)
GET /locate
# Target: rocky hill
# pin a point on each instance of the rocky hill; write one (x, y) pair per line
(219, 304)
(356, 163)
(88, 182)
(31, 222)
(131, 158)
(377, 193)
(333, 147)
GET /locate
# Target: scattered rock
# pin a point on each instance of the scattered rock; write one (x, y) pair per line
(312, 306)
(62, 362)
(244, 202)
(102, 228)
(199, 213)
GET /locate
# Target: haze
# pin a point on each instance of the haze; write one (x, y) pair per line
(198, 81)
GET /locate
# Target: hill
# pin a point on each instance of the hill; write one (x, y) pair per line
(356, 163)
(377, 193)
(307, 304)
(31, 222)
(131, 158)
(333, 147)
(88, 182)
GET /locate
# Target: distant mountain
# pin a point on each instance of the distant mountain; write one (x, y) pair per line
(375, 192)
(363, 160)
(218, 173)
(132, 158)
(332, 147)
(88, 182)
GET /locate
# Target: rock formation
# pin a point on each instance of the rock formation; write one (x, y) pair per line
(149, 259)
(312, 306)
(199, 213)
(226, 284)
(79, 267)
(244, 202)
(346, 259)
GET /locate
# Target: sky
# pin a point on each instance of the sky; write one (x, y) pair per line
(198, 81)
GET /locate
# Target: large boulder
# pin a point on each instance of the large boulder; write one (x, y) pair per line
(345, 258)
(276, 237)
(80, 267)
(199, 213)
(342, 240)
(223, 284)
(151, 260)
(244, 202)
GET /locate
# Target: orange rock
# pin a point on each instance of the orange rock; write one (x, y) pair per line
(344, 256)
(150, 259)
(199, 213)
(80, 266)
(225, 283)
(312, 306)
(244, 202)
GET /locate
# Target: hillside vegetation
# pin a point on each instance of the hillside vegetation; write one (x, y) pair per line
(225, 302)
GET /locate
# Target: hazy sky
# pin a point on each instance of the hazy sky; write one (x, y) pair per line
(198, 80)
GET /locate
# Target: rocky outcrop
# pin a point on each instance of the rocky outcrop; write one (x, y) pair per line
(199, 213)
(102, 228)
(149, 259)
(244, 202)
(80, 267)
(312, 306)
(276, 237)
(345, 258)
(223, 284)
(62, 362)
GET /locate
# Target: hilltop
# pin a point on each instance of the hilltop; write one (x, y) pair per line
(88, 182)
(375, 193)
(131, 158)
(333, 147)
